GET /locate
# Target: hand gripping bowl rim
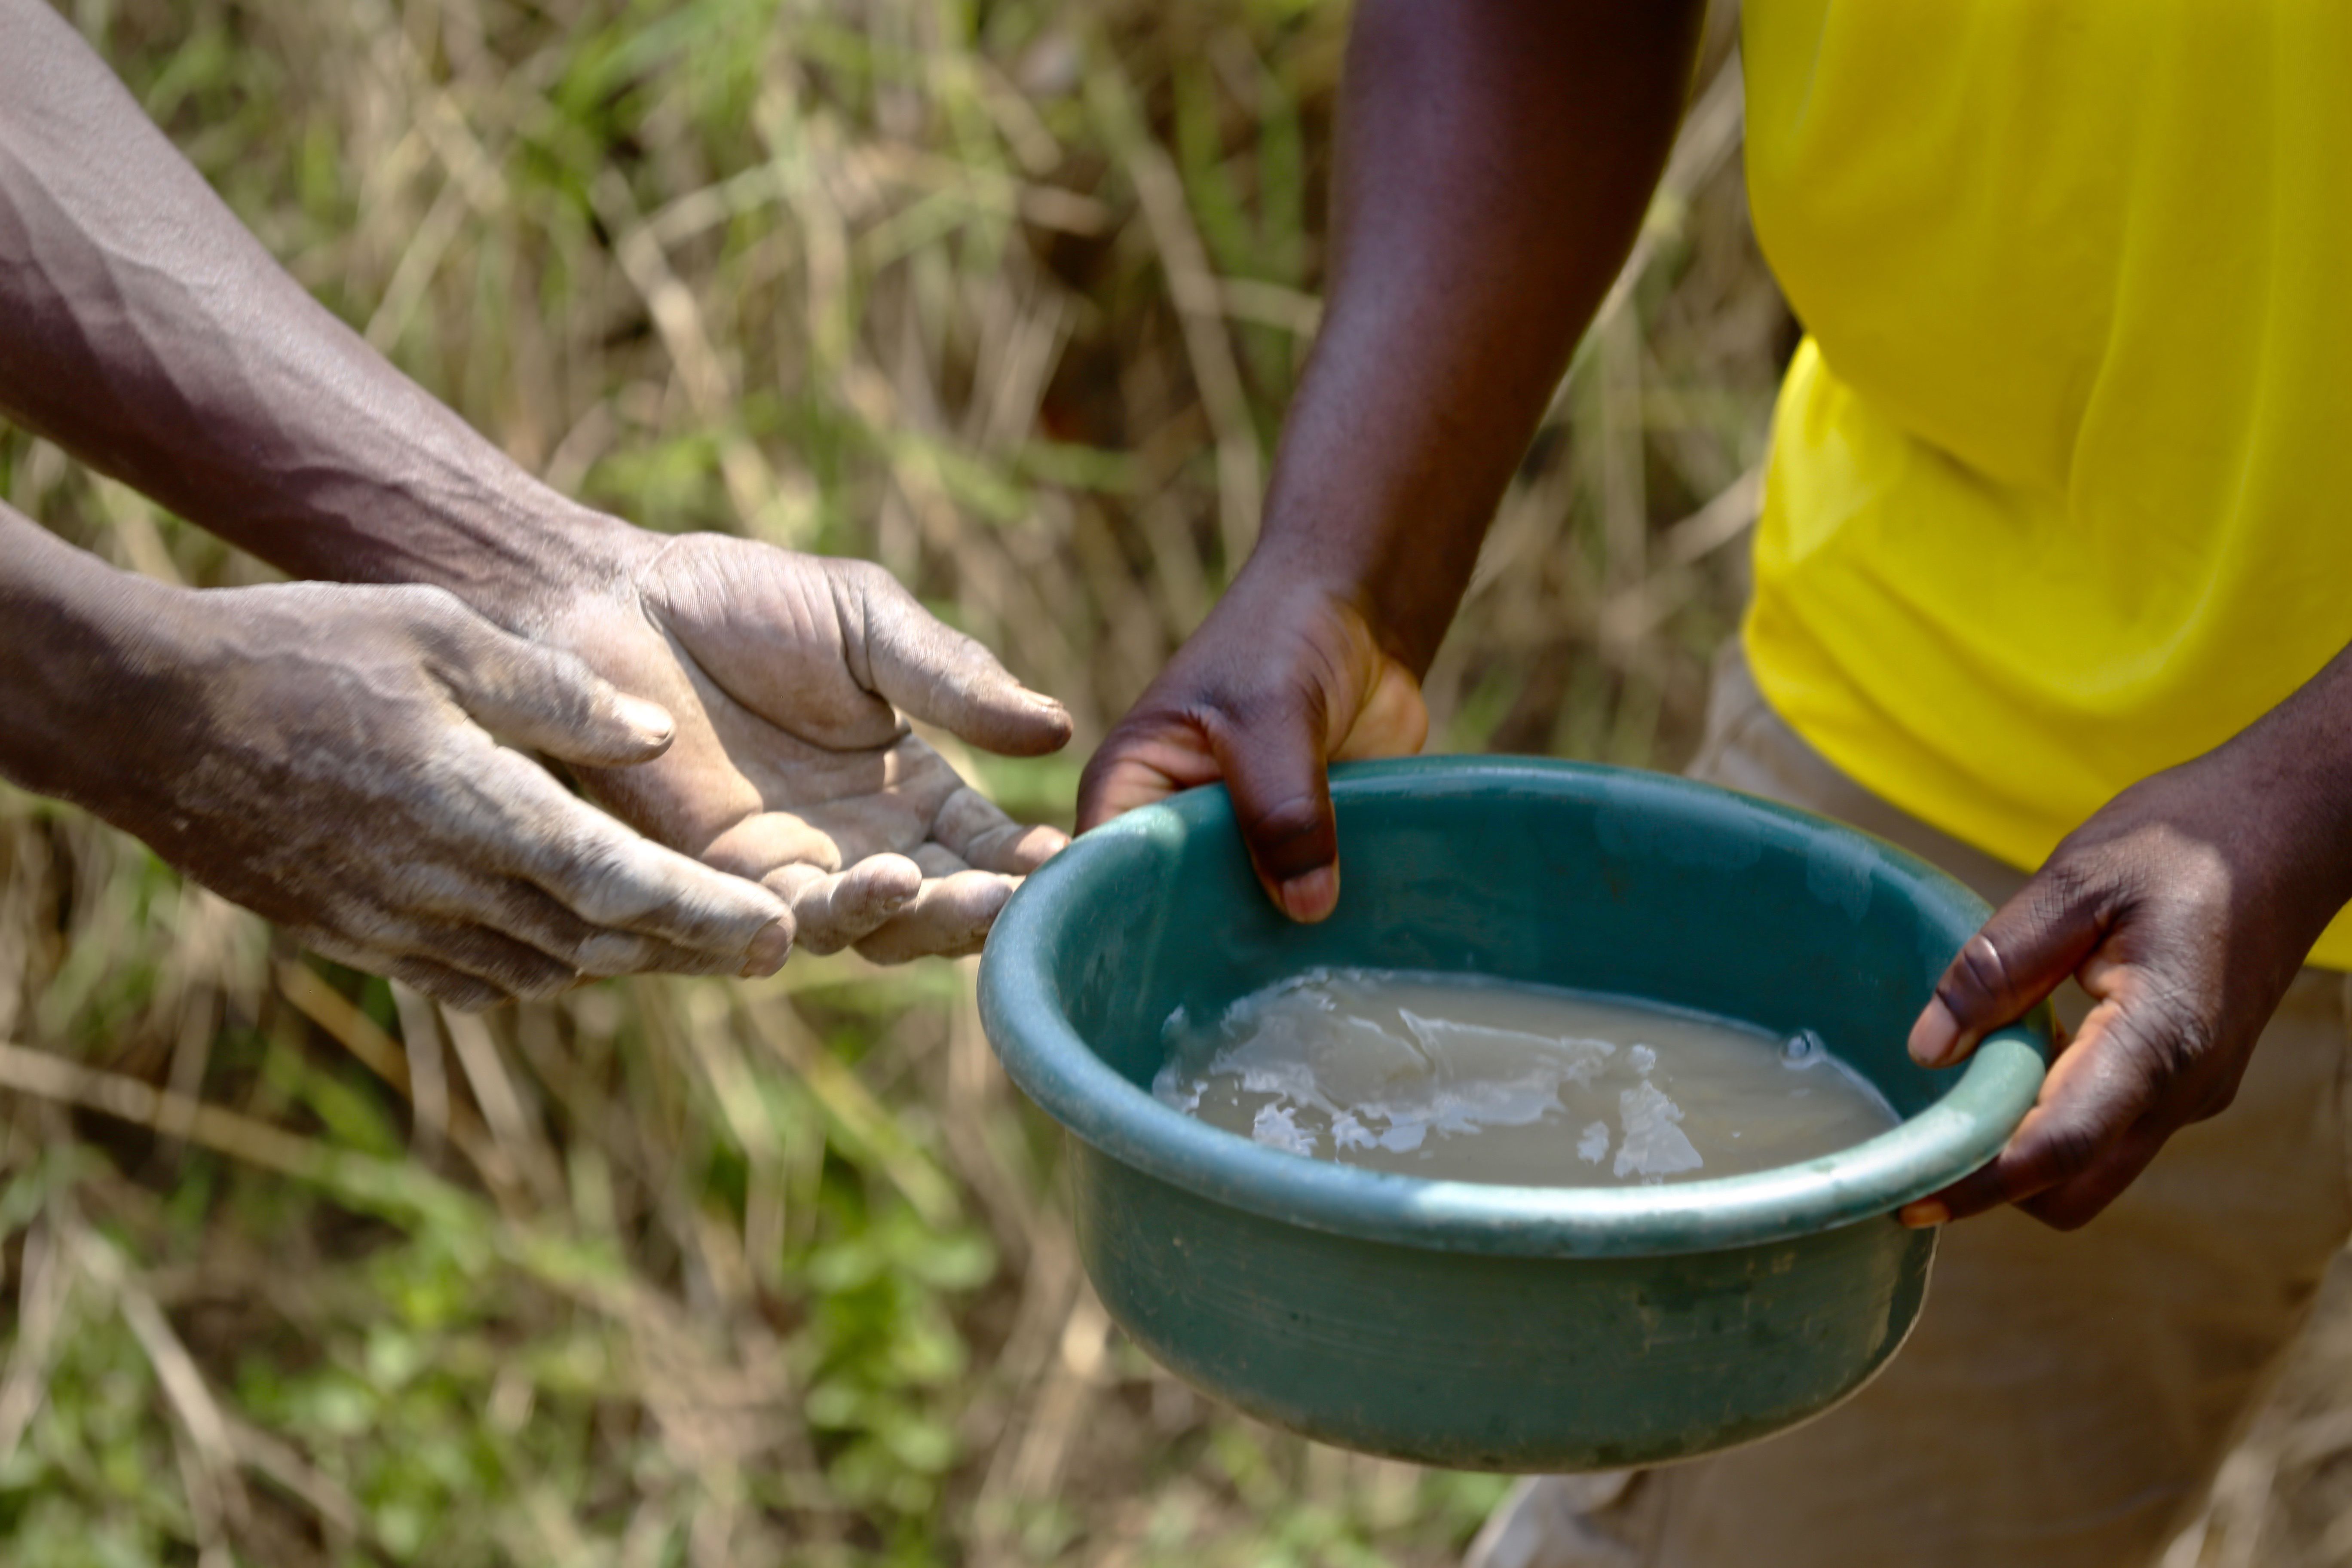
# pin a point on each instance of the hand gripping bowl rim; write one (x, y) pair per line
(1024, 1019)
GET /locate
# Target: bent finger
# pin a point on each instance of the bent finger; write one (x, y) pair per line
(976, 830)
(938, 860)
(529, 915)
(453, 961)
(924, 667)
(546, 700)
(609, 876)
(2010, 966)
(514, 968)
(466, 966)
(1142, 762)
(949, 917)
(832, 911)
(1281, 791)
(2096, 1095)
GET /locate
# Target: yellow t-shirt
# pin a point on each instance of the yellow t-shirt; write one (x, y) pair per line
(2060, 490)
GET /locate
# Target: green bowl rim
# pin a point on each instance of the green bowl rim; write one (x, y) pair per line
(1021, 1013)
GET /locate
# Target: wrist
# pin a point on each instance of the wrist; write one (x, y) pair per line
(522, 565)
(2290, 785)
(90, 657)
(1404, 620)
(1371, 525)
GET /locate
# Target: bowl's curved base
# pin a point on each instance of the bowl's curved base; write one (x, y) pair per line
(1528, 1365)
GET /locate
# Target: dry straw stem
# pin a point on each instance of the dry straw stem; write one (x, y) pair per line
(43, 1285)
(1200, 301)
(412, 1066)
(111, 1094)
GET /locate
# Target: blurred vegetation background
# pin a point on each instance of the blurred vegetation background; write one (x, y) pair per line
(1009, 297)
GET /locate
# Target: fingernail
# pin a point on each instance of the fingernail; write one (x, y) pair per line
(649, 720)
(1925, 1215)
(1935, 1036)
(1313, 895)
(1051, 712)
(767, 951)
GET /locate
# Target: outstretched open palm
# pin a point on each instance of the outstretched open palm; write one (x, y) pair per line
(788, 676)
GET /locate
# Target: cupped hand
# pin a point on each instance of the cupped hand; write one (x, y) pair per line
(2184, 907)
(1277, 683)
(787, 675)
(341, 760)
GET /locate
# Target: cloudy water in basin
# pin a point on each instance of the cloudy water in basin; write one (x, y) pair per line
(1480, 1080)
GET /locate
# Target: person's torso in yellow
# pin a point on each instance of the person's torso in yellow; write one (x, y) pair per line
(2061, 483)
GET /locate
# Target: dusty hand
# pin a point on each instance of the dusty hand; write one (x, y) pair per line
(1277, 683)
(787, 675)
(331, 757)
(2184, 907)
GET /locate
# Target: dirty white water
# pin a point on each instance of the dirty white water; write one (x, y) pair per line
(1471, 1080)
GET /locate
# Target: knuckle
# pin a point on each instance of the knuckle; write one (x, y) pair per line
(630, 886)
(2072, 890)
(899, 942)
(595, 873)
(863, 597)
(440, 615)
(866, 578)
(1979, 968)
(602, 889)
(819, 939)
(967, 815)
(2067, 877)
(816, 928)
(564, 676)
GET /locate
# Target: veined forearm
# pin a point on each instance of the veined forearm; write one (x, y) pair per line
(148, 334)
(1496, 158)
(349, 762)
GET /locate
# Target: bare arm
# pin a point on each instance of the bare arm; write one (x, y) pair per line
(150, 334)
(330, 757)
(1496, 158)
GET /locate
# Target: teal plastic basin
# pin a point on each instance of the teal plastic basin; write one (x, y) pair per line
(1531, 1328)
